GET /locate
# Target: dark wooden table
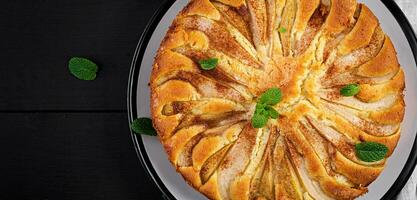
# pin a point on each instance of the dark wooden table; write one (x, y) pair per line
(62, 138)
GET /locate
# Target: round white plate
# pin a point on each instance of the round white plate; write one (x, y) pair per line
(154, 159)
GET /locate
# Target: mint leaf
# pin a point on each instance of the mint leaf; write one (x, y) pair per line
(208, 64)
(264, 109)
(271, 97)
(143, 126)
(259, 120)
(260, 108)
(83, 68)
(272, 113)
(371, 151)
(350, 90)
(282, 30)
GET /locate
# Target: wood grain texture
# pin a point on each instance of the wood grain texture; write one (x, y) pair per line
(62, 138)
(39, 37)
(70, 156)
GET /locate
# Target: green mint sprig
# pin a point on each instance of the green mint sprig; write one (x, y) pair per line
(271, 97)
(264, 109)
(209, 64)
(143, 126)
(371, 151)
(259, 120)
(350, 90)
(83, 68)
(272, 112)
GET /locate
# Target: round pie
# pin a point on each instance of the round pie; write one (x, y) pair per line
(220, 56)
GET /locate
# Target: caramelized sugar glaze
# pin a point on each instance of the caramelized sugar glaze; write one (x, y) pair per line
(307, 48)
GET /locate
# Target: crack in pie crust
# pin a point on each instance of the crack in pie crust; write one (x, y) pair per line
(307, 48)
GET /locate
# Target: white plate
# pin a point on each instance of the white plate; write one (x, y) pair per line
(153, 157)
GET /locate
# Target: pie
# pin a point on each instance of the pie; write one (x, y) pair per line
(310, 50)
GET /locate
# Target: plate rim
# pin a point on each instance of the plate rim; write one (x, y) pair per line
(391, 5)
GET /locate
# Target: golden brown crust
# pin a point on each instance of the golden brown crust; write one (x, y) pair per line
(210, 189)
(357, 173)
(306, 8)
(383, 64)
(340, 16)
(392, 115)
(239, 189)
(234, 3)
(375, 92)
(191, 175)
(202, 7)
(232, 16)
(307, 48)
(258, 22)
(362, 32)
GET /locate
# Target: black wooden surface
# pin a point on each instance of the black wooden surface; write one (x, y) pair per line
(62, 138)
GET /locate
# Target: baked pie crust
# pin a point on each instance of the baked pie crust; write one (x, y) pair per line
(307, 48)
